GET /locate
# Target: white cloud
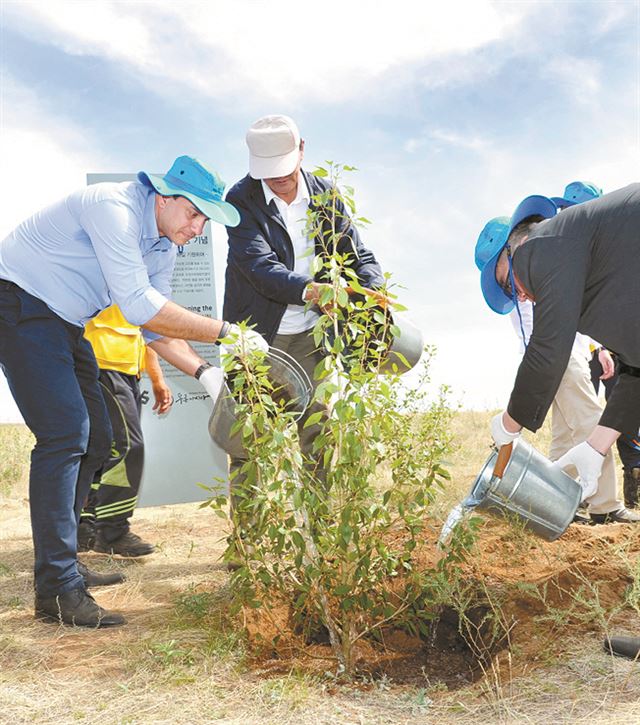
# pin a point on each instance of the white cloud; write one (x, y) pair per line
(427, 203)
(283, 51)
(580, 78)
(43, 157)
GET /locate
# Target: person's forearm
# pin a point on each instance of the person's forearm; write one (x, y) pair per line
(152, 366)
(510, 423)
(602, 438)
(175, 321)
(178, 353)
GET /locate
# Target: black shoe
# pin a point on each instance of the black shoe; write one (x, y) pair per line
(76, 607)
(621, 516)
(129, 545)
(582, 520)
(95, 579)
(86, 536)
(623, 646)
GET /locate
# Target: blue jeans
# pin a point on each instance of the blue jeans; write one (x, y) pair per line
(53, 376)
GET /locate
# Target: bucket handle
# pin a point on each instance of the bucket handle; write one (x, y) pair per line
(504, 454)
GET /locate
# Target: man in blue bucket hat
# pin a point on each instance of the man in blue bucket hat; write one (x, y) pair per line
(575, 408)
(581, 268)
(103, 244)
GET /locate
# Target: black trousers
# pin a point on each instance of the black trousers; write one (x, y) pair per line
(114, 492)
(628, 444)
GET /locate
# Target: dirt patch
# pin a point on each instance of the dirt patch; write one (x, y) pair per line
(520, 601)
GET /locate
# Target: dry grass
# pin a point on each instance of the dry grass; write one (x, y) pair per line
(181, 658)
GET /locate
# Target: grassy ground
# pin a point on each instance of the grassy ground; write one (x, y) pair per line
(182, 659)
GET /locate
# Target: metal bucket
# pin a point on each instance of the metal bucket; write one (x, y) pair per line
(404, 349)
(409, 343)
(532, 489)
(292, 385)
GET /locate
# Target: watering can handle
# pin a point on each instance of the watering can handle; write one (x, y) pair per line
(504, 454)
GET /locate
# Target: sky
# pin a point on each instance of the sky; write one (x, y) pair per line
(452, 112)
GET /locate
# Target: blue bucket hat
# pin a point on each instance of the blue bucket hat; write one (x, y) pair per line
(203, 187)
(577, 192)
(488, 252)
(492, 237)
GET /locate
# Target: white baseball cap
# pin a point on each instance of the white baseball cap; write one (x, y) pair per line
(274, 147)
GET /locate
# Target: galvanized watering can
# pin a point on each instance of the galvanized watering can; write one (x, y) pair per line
(292, 385)
(518, 482)
(525, 484)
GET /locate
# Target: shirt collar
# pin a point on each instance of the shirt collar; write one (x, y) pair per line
(301, 195)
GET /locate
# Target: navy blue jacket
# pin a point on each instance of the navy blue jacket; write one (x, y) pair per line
(260, 281)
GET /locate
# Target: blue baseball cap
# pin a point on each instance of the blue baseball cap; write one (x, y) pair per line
(489, 251)
(577, 192)
(203, 187)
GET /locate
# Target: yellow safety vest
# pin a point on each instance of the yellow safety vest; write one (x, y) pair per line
(117, 344)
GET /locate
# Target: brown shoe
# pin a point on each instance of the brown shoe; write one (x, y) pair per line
(76, 607)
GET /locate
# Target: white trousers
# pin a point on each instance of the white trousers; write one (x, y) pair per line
(575, 412)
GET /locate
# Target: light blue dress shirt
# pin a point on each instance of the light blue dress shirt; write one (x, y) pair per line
(98, 246)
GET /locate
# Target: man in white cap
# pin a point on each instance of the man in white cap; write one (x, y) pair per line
(268, 276)
(103, 244)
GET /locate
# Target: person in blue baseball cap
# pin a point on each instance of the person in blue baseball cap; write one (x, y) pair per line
(104, 244)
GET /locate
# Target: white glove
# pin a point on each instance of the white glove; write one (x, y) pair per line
(501, 435)
(588, 463)
(212, 380)
(244, 341)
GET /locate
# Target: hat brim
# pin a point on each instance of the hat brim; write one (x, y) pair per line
(561, 202)
(218, 211)
(261, 167)
(535, 205)
(493, 294)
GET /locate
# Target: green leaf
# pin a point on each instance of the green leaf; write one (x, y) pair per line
(313, 419)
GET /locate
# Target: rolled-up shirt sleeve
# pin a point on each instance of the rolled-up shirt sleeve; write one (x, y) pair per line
(114, 230)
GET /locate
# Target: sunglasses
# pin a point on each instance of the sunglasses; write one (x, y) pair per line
(505, 284)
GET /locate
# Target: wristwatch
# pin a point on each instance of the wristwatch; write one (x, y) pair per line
(201, 369)
(224, 331)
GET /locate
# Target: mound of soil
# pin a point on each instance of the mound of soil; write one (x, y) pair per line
(519, 601)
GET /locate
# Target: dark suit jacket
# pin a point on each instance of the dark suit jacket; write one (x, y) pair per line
(260, 281)
(583, 268)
